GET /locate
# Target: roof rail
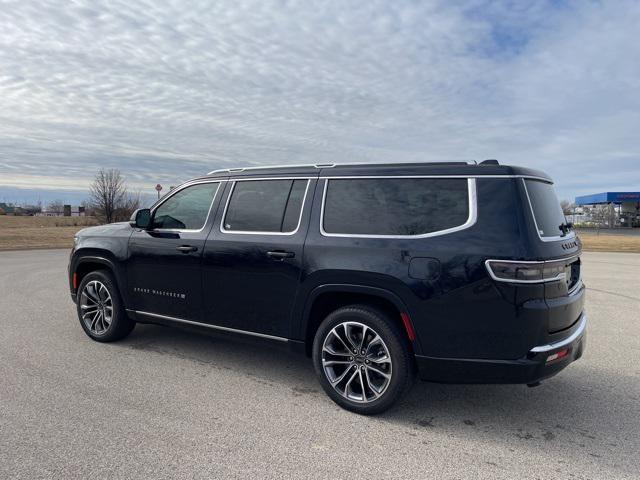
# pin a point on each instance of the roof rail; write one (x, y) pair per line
(242, 169)
(331, 165)
(491, 161)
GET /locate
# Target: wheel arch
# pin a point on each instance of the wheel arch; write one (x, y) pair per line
(90, 261)
(324, 299)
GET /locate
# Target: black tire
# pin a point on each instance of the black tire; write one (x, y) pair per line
(120, 324)
(401, 365)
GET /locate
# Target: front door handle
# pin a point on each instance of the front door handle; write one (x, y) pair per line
(280, 255)
(187, 248)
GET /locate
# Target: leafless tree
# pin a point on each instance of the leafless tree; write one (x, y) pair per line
(107, 194)
(56, 206)
(130, 202)
(603, 215)
(567, 207)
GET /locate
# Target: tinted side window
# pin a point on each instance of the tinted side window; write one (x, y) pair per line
(546, 208)
(395, 206)
(265, 206)
(187, 209)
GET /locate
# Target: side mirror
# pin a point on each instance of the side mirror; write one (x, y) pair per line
(141, 218)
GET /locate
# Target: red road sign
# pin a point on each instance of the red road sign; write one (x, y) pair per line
(158, 187)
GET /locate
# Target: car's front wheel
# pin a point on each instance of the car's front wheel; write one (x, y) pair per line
(362, 359)
(100, 310)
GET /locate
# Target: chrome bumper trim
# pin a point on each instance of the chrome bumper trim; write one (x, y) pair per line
(570, 339)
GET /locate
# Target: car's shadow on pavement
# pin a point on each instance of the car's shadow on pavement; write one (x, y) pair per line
(565, 411)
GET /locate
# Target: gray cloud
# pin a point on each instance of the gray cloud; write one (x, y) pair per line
(169, 90)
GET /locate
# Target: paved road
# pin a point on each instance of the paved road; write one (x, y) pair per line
(168, 403)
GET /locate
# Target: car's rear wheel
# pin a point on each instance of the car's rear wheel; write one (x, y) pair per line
(100, 310)
(362, 359)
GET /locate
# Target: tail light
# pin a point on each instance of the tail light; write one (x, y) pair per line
(527, 272)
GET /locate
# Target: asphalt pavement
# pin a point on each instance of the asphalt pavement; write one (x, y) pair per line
(166, 403)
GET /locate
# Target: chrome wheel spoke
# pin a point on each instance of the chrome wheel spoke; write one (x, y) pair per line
(102, 293)
(90, 292)
(376, 394)
(348, 384)
(94, 321)
(378, 371)
(87, 309)
(357, 362)
(346, 334)
(379, 360)
(327, 363)
(332, 351)
(375, 341)
(362, 346)
(363, 389)
(341, 377)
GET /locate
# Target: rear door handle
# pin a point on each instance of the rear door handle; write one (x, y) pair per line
(280, 255)
(187, 248)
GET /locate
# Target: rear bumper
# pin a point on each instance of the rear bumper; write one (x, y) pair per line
(532, 368)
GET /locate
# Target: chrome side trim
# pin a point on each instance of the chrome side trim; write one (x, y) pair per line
(213, 327)
(180, 188)
(557, 238)
(247, 232)
(471, 220)
(562, 343)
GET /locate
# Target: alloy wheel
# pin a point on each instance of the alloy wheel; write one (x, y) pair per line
(96, 307)
(356, 361)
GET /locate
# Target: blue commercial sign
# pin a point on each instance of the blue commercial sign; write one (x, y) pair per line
(608, 197)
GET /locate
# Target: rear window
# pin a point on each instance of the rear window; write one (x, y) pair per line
(272, 206)
(545, 207)
(395, 206)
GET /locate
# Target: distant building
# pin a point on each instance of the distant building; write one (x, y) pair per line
(67, 211)
(610, 209)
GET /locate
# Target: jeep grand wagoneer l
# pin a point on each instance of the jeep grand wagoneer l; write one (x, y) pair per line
(459, 272)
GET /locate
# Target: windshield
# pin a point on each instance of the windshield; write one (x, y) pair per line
(546, 208)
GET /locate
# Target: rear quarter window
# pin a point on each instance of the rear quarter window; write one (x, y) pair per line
(545, 208)
(395, 206)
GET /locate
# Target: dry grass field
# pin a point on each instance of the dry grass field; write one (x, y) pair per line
(610, 243)
(18, 233)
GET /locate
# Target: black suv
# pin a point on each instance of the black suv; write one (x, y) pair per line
(464, 273)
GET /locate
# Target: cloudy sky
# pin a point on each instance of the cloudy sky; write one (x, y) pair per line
(165, 91)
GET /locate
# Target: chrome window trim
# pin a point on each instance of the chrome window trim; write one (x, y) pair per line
(560, 276)
(569, 236)
(178, 189)
(562, 343)
(471, 219)
(247, 232)
(214, 327)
